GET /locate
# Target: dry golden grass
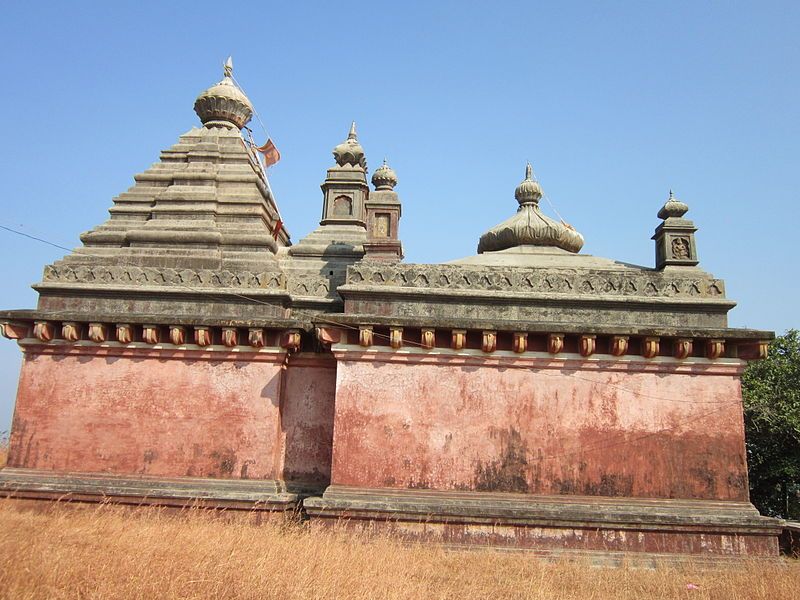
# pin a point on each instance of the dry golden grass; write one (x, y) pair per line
(108, 552)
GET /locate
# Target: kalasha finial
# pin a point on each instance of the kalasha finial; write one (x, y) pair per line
(529, 190)
(224, 104)
(673, 208)
(384, 177)
(350, 152)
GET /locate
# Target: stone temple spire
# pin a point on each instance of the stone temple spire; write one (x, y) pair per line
(350, 152)
(224, 104)
(674, 237)
(529, 227)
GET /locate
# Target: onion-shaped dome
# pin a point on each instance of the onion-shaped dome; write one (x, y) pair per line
(529, 227)
(673, 208)
(384, 177)
(224, 104)
(350, 152)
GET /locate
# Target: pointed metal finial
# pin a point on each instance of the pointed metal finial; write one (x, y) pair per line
(529, 171)
(228, 68)
(670, 194)
(352, 135)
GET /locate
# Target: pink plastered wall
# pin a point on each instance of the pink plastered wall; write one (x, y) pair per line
(142, 412)
(658, 431)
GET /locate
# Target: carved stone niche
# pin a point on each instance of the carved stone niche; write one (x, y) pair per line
(650, 347)
(555, 343)
(619, 345)
(177, 335)
(342, 206)
(71, 331)
(715, 349)
(588, 344)
(202, 336)
(43, 331)
(255, 337)
(520, 343)
(290, 340)
(124, 333)
(458, 339)
(230, 336)
(682, 348)
(98, 333)
(150, 334)
(396, 337)
(489, 341)
(365, 336)
(428, 338)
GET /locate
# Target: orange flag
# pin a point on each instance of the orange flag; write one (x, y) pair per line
(270, 152)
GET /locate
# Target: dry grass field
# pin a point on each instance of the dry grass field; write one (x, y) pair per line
(105, 552)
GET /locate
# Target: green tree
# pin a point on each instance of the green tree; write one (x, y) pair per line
(771, 390)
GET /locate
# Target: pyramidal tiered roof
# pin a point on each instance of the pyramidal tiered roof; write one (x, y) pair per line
(201, 217)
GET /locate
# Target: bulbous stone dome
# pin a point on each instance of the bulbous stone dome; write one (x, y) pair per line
(673, 208)
(350, 152)
(529, 227)
(224, 104)
(384, 177)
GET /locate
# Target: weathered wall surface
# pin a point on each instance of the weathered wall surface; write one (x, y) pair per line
(307, 419)
(641, 430)
(145, 412)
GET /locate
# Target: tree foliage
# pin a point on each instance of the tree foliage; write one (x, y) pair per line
(771, 390)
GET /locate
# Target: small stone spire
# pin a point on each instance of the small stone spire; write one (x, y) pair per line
(529, 191)
(384, 177)
(224, 104)
(350, 152)
(674, 237)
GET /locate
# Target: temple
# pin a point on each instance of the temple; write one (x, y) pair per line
(527, 397)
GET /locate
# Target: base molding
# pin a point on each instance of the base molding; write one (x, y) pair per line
(237, 494)
(555, 524)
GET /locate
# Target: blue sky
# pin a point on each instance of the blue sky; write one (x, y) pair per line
(614, 103)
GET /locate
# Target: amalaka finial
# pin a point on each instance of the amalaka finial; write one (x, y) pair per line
(384, 177)
(672, 208)
(350, 152)
(228, 67)
(224, 104)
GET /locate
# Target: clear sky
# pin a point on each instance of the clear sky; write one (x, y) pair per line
(614, 103)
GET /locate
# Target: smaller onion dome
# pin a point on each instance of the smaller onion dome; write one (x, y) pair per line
(350, 152)
(384, 177)
(529, 190)
(224, 104)
(673, 208)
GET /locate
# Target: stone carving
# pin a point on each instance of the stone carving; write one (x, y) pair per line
(124, 333)
(381, 228)
(680, 248)
(428, 338)
(342, 206)
(290, 340)
(551, 281)
(682, 348)
(255, 337)
(151, 276)
(14, 331)
(230, 337)
(98, 332)
(365, 336)
(619, 345)
(177, 335)
(71, 332)
(459, 339)
(650, 347)
(587, 345)
(520, 343)
(150, 334)
(43, 331)
(489, 341)
(396, 337)
(715, 349)
(202, 336)
(555, 343)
